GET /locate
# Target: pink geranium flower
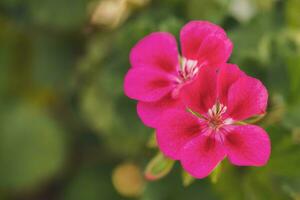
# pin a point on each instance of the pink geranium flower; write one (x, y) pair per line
(158, 73)
(210, 131)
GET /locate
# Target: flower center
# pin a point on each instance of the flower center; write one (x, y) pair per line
(189, 69)
(215, 117)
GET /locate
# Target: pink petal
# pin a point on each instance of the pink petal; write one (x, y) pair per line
(205, 42)
(175, 129)
(248, 146)
(201, 155)
(247, 97)
(147, 84)
(215, 50)
(200, 95)
(228, 74)
(157, 50)
(151, 112)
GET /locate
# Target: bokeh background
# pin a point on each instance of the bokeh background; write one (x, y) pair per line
(67, 131)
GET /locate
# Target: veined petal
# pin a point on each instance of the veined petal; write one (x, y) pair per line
(174, 130)
(201, 94)
(151, 112)
(146, 84)
(248, 146)
(246, 97)
(201, 155)
(157, 50)
(205, 42)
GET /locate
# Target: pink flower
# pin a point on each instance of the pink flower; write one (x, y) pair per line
(158, 74)
(203, 137)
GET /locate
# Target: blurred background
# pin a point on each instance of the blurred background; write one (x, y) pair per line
(67, 132)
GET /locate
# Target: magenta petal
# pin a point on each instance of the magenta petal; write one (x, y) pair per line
(247, 97)
(205, 42)
(151, 112)
(201, 94)
(248, 146)
(228, 74)
(175, 129)
(215, 50)
(147, 84)
(158, 50)
(201, 155)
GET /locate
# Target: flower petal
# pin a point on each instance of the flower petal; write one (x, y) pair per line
(146, 84)
(247, 97)
(157, 50)
(200, 95)
(151, 112)
(201, 155)
(175, 129)
(228, 74)
(248, 146)
(215, 50)
(205, 42)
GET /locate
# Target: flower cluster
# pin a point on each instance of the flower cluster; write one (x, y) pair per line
(197, 101)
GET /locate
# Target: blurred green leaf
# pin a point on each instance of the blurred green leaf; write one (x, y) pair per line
(213, 10)
(265, 5)
(285, 151)
(62, 15)
(293, 64)
(52, 61)
(247, 183)
(115, 120)
(292, 117)
(230, 182)
(292, 13)
(91, 183)
(152, 143)
(171, 187)
(32, 147)
(292, 188)
(11, 2)
(252, 46)
(214, 177)
(158, 167)
(187, 179)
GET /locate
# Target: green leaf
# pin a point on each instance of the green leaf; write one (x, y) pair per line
(276, 110)
(32, 147)
(214, 177)
(291, 187)
(249, 46)
(296, 135)
(293, 65)
(58, 14)
(52, 62)
(292, 13)
(158, 167)
(213, 10)
(187, 179)
(91, 183)
(152, 143)
(292, 118)
(285, 157)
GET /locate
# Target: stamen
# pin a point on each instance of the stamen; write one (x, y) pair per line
(189, 68)
(215, 117)
(217, 110)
